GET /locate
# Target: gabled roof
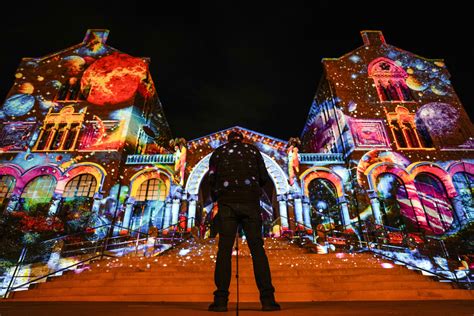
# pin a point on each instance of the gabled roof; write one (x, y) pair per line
(248, 134)
(94, 42)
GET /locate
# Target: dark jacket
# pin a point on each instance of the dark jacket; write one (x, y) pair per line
(237, 173)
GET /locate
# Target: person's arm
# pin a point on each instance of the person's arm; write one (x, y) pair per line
(263, 175)
(213, 176)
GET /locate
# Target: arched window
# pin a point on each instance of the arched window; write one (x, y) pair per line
(395, 205)
(151, 190)
(38, 191)
(7, 183)
(323, 199)
(404, 130)
(70, 91)
(436, 205)
(81, 185)
(149, 208)
(389, 80)
(464, 184)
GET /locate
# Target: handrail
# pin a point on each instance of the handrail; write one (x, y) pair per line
(101, 255)
(11, 289)
(456, 280)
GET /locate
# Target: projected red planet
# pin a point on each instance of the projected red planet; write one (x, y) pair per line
(113, 79)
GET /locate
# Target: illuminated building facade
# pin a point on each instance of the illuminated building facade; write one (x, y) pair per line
(84, 139)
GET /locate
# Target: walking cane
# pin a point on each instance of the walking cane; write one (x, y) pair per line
(237, 269)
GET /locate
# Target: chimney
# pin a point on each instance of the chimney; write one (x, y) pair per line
(96, 36)
(372, 38)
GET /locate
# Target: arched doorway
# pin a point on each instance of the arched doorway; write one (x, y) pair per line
(464, 184)
(197, 186)
(76, 203)
(435, 202)
(148, 210)
(395, 205)
(325, 212)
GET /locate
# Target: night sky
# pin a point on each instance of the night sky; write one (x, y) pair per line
(221, 64)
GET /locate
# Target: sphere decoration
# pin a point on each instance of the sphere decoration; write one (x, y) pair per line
(74, 64)
(55, 84)
(18, 104)
(26, 88)
(438, 90)
(113, 79)
(441, 119)
(415, 84)
(45, 104)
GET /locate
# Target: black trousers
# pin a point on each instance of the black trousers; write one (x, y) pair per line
(229, 216)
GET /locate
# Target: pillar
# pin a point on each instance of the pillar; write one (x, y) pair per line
(175, 211)
(192, 212)
(345, 217)
(375, 203)
(167, 216)
(283, 211)
(128, 214)
(307, 213)
(298, 210)
(459, 210)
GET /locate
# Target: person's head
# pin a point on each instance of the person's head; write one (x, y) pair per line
(235, 136)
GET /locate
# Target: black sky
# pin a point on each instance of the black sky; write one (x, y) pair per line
(220, 64)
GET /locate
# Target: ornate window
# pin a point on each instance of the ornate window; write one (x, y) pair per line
(435, 202)
(151, 190)
(7, 183)
(60, 130)
(70, 91)
(404, 131)
(389, 80)
(81, 185)
(37, 191)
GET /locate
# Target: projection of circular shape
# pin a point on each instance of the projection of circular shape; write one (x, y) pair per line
(113, 79)
(18, 104)
(440, 119)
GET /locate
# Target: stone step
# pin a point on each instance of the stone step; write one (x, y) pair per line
(290, 273)
(247, 283)
(343, 295)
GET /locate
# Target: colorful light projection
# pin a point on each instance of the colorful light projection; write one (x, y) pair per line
(113, 79)
(369, 133)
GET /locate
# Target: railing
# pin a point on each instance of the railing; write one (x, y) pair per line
(150, 159)
(98, 249)
(321, 158)
(416, 250)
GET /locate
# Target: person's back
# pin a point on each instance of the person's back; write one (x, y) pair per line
(237, 174)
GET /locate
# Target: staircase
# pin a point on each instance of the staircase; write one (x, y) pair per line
(185, 274)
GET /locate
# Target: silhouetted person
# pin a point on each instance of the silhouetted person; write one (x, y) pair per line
(237, 174)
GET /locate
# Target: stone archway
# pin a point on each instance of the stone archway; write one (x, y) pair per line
(278, 176)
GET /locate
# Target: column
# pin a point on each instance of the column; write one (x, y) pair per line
(283, 211)
(459, 209)
(345, 217)
(375, 203)
(175, 211)
(192, 212)
(307, 213)
(167, 216)
(298, 209)
(128, 214)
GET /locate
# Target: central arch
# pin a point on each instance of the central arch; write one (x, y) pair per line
(276, 173)
(195, 179)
